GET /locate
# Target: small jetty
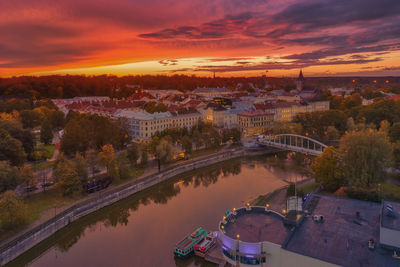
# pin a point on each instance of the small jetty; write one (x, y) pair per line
(214, 255)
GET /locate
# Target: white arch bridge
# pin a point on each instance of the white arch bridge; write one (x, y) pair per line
(293, 142)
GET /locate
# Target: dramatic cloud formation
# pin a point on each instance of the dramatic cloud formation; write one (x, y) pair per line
(234, 37)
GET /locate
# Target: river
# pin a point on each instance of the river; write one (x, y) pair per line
(142, 229)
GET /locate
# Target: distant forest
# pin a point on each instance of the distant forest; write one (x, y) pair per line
(66, 86)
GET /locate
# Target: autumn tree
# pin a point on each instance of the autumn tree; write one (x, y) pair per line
(133, 154)
(9, 176)
(236, 135)
(165, 150)
(81, 168)
(91, 158)
(365, 155)
(396, 154)
(327, 169)
(394, 132)
(123, 165)
(30, 118)
(65, 176)
(144, 157)
(198, 139)
(11, 149)
(13, 211)
(46, 133)
(107, 159)
(14, 128)
(27, 176)
(332, 133)
(187, 144)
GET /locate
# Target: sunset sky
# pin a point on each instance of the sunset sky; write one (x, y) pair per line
(230, 37)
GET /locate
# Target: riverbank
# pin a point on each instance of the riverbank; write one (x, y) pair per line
(26, 241)
(277, 198)
(44, 205)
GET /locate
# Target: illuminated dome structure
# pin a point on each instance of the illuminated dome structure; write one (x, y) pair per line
(250, 235)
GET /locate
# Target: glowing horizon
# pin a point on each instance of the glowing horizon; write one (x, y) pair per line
(229, 37)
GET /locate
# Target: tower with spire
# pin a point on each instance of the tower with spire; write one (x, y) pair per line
(300, 82)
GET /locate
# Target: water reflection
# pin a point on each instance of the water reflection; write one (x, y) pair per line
(254, 174)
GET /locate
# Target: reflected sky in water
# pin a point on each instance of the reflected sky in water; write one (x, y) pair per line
(142, 229)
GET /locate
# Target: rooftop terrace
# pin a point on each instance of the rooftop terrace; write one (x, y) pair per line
(255, 226)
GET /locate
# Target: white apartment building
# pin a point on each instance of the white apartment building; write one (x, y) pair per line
(143, 125)
(286, 111)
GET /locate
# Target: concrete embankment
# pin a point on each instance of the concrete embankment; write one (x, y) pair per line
(19, 245)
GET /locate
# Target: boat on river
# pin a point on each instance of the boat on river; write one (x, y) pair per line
(205, 245)
(186, 246)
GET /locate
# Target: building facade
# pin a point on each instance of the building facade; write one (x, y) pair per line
(257, 121)
(143, 125)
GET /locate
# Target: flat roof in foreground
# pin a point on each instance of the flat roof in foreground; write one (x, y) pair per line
(343, 236)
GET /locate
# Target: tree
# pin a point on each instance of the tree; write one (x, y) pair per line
(11, 149)
(165, 150)
(394, 132)
(332, 133)
(9, 176)
(123, 165)
(14, 128)
(396, 154)
(328, 170)
(57, 119)
(30, 118)
(13, 211)
(81, 168)
(236, 135)
(91, 158)
(46, 133)
(198, 139)
(27, 176)
(107, 158)
(351, 101)
(144, 157)
(133, 154)
(366, 154)
(384, 127)
(187, 144)
(66, 176)
(351, 126)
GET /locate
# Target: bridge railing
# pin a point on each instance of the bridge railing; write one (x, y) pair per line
(294, 142)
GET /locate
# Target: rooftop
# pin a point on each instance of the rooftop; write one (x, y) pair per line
(257, 112)
(343, 236)
(140, 115)
(254, 226)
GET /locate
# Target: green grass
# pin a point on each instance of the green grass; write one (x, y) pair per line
(308, 188)
(203, 152)
(49, 148)
(263, 200)
(390, 191)
(43, 165)
(134, 172)
(37, 203)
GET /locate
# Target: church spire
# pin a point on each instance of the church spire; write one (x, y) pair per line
(300, 81)
(301, 77)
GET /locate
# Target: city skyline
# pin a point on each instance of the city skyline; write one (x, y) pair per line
(230, 38)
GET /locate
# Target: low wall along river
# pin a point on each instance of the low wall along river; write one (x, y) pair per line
(18, 246)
